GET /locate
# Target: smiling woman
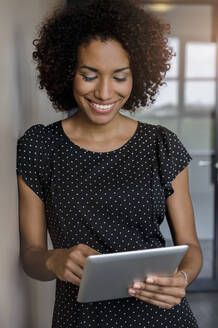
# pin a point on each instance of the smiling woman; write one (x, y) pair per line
(98, 181)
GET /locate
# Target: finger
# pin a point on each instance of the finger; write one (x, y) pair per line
(90, 251)
(172, 300)
(68, 276)
(78, 257)
(176, 281)
(87, 250)
(172, 291)
(75, 269)
(71, 277)
(154, 302)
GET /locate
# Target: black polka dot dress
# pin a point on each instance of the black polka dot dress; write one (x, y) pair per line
(112, 201)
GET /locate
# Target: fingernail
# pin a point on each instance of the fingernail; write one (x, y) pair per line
(150, 279)
(136, 285)
(132, 291)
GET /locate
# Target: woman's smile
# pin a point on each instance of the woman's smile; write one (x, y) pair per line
(102, 108)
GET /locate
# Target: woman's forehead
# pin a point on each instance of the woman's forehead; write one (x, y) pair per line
(103, 54)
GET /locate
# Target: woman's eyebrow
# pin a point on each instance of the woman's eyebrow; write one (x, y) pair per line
(95, 70)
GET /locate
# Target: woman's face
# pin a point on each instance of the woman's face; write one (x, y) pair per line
(103, 80)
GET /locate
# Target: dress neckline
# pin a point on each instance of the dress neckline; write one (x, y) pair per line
(77, 147)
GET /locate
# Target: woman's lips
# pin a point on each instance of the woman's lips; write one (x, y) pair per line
(102, 111)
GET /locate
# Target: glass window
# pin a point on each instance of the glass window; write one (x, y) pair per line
(200, 95)
(200, 60)
(197, 134)
(168, 96)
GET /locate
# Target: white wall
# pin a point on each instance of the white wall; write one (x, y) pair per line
(24, 302)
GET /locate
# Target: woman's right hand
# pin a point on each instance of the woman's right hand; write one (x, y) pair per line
(68, 263)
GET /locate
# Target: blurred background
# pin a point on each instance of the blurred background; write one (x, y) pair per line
(187, 105)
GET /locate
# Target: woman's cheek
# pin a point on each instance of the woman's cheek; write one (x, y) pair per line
(80, 86)
(126, 89)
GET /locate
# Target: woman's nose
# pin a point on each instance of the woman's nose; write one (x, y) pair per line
(104, 90)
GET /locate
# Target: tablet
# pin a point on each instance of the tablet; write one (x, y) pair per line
(108, 276)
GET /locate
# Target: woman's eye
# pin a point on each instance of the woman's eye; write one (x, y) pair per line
(120, 79)
(86, 78)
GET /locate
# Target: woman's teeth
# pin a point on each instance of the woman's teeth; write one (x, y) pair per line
(102, 109)
(103, 106)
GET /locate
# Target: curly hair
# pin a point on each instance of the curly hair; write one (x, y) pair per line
(141, 33)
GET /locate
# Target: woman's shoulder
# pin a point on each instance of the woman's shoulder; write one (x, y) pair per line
(39, 133)
(158, 134)
(164, 141)
(170, 155)
(157, 129)
(34, 151)
(38, 141)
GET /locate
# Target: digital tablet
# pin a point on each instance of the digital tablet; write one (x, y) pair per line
(108, 276)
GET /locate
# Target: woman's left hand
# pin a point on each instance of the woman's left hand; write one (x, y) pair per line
(163, 291)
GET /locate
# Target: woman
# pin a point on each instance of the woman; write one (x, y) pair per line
(99, 181)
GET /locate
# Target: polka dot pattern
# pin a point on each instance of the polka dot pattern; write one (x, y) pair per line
(112, 201)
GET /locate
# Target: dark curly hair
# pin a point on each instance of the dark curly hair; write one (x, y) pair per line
(140, 32)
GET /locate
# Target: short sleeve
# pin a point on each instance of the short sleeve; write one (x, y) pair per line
(172, 158)
(31, 158)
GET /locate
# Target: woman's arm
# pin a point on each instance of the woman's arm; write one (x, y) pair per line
(39, 262)
(167, 291)
(33, 234)
(182, 225)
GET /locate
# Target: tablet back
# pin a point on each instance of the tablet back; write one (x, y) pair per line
(108, 276)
